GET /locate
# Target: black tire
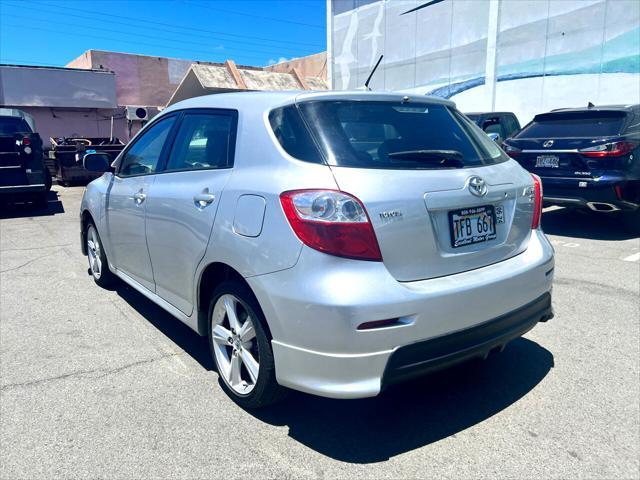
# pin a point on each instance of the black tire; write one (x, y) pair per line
(48, 181)
(266, 391)
(105, 278)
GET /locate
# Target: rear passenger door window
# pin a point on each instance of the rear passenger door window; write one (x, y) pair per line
(203, 141)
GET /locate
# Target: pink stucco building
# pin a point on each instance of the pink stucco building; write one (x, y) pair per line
(91, 93)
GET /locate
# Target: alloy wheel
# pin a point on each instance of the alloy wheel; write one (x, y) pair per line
(93, 250)
(235, 345)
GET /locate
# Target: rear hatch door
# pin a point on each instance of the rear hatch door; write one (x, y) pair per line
(415, 166)
(415, 215)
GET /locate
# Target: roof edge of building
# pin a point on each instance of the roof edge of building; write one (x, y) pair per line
(52, 67)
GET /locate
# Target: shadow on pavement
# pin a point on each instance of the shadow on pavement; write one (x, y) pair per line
(413, 414)
(405, 417)
(575, 223)
(23, 209)
(170, 326)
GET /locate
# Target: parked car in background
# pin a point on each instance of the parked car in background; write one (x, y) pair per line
(67, 156)
(586, 157)
(23, 174)
(328, 245)
(498, 125)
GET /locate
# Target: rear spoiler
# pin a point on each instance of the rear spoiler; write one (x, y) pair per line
(578, 114)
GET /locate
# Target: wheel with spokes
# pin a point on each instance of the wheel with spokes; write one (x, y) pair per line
(97, 259)
(241, 348)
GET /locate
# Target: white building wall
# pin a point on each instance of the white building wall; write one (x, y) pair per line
(526, 56)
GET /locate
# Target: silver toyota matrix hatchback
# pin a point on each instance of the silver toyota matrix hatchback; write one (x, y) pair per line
(333, 243)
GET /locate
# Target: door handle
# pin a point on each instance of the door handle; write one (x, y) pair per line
(139, 197)
(203, 199)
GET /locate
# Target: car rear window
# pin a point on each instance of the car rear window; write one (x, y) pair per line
(13, 125)
(574, 125)
(372, 134)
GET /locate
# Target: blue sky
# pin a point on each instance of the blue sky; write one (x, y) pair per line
(251, 32)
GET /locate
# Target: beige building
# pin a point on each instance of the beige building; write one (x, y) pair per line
(208, 79)
(309, 66)
(151, 81)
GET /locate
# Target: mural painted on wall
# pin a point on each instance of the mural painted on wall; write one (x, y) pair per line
(537, 54)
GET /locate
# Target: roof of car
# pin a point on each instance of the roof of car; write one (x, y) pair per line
(266, 100)
(488, 113)
(599, 108)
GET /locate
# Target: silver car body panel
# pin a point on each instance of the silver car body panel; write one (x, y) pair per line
(178, 228)
(415, 244)
(325, 353)
(125, 227)
(313, 302)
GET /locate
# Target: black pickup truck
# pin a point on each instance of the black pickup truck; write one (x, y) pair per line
(23, 174)
(498, 125)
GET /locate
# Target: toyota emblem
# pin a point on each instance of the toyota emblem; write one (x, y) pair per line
(477, 186)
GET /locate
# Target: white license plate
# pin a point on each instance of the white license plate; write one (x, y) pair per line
(547, 161)
(472, 225)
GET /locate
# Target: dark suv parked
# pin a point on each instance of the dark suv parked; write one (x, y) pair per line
(587, 157)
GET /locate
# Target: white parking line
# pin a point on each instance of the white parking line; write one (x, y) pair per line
(632, 258)
(564, 244)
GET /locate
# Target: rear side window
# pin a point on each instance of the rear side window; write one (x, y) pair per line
(574, 125)
(395, 135)
(13, 125)
(203, 141)
(293, 136)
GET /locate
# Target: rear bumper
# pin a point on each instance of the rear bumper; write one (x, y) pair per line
(20, 181)
(441, 352)
(604, 194)
(314, 310)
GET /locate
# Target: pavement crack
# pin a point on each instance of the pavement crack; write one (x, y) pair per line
(101, 371)
(12, 269)
(595, 287)
(34, 248)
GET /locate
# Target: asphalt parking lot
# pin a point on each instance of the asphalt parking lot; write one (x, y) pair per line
(105, 384)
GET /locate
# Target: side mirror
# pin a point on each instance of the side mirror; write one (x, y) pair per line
(97, 162)
(495, 137)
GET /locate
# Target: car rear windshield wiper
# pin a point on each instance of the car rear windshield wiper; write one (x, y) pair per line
(434, 158)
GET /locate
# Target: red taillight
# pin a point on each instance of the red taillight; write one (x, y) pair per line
(618, 190)
(537, 201)
(614, 149)
(510, 150)
(332, 222)
(26, 141)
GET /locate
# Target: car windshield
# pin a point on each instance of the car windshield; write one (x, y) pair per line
(574, 125)
(13, 125)
(383, 134)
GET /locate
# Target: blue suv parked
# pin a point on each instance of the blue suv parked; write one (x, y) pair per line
(586, 157)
